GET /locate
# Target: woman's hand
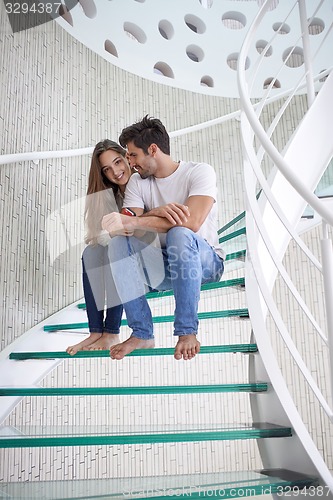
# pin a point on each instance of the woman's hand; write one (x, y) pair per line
(176, 213)
(117, 224)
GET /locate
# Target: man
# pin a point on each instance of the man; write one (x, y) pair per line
(176, 200)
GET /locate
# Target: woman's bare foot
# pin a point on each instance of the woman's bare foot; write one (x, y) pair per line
(73, 349)
(120, 350)
(103, 343)
(187, 347)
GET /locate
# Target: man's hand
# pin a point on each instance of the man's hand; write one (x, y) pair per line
(176, 213)
(117, 224)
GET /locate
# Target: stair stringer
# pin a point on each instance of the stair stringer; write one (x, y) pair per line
(31, 372)
(302, 164)
(298, 453)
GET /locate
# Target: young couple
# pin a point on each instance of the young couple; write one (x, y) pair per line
(170, 243)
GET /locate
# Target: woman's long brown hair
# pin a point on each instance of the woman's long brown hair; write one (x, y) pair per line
(101, 191)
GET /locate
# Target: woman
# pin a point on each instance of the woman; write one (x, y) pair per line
(108, 177)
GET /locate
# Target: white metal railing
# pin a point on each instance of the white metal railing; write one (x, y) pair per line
(36, 156)
(272, 219)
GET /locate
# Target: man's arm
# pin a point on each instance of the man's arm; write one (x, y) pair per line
(198, 207)
(176, 213)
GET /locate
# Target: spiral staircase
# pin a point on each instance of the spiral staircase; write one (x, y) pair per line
(270, 480)
(257, 242)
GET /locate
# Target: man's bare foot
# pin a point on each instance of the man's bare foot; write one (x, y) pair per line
(120, 350)
(187, 347)
(73, 349)
(103, 343)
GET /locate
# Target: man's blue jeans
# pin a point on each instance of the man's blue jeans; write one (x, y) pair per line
(186, 262)
(98, 287)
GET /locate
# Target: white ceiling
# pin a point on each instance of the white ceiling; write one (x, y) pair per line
(194, 44)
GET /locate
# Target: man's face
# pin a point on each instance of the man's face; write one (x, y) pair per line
(144, 164)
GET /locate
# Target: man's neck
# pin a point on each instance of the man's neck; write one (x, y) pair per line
(167, 168)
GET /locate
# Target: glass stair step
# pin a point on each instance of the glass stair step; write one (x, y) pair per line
(111, 391)
(33, 436)
(232, 283)
(234, 242)
(234, 234)
(237, 222)
(157, 351)
(238, 484)
(242, 313)
(239, 255)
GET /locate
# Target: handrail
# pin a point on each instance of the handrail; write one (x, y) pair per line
(45, 155)
(277, 263)
(283, 330)
(264, 251)
(36, 156)
(259, 130)
(265, 188)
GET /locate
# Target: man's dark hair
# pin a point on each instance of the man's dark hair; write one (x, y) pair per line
(146, 132)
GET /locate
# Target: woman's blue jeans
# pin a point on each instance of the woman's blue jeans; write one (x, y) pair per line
(99, 289)
(184, 265)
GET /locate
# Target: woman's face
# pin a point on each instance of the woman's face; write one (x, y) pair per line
(115, 167)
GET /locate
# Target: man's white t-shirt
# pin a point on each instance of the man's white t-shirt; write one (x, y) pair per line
(190, 179)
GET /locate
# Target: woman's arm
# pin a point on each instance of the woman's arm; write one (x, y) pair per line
(198, 209)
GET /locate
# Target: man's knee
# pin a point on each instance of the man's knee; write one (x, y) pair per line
(181, 245)
(177, 235)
